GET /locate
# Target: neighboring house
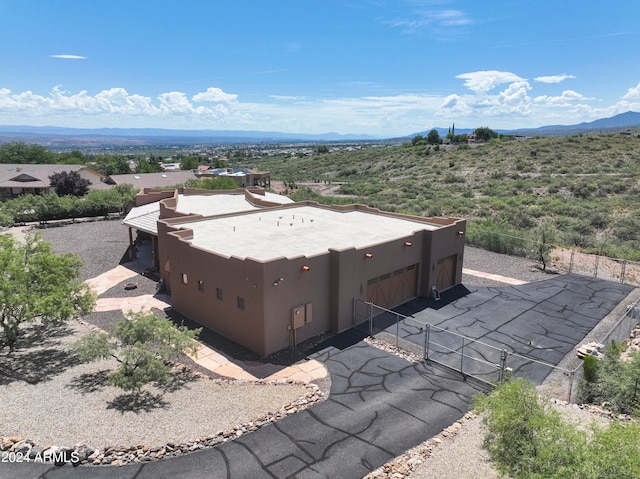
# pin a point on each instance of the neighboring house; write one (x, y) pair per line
(152, 180)
(21, 179)
(243, 177)
(272, 275)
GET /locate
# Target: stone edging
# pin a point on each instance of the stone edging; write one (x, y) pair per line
(403, 465)
(81, 454)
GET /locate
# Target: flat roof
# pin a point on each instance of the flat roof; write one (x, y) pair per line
(221, 204)
(145, 217)
(298, 231)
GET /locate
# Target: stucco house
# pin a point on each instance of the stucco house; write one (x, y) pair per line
(269, 275)
(21, 179)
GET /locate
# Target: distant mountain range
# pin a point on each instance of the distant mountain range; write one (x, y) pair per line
(629, 119)
(69, 137)
(60, 136)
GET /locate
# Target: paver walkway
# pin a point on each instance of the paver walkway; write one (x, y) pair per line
(206, 357)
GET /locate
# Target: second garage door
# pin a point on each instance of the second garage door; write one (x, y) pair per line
(393, 288)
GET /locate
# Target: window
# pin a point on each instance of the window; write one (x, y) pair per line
(201, 286)
(219, 293)
(240, 303)
(184, 278)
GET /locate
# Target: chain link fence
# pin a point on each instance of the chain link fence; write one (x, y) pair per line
(571, 261)
(489, 363)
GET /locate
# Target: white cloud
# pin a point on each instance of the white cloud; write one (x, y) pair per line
(68, 57)
(215, 95)
(485, 81)
(431, 20)
(567, 97)
(553, 78)
(481, 103)
(287, 97)
(633, 93)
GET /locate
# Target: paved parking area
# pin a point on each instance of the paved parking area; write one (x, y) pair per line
(544, 320)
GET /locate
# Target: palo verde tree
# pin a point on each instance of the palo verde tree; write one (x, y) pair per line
(69, 183)
(37, 284)
(142, 344)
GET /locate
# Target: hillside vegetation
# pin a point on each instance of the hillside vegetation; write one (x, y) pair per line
(578, 191)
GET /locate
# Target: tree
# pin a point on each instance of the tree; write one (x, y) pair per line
(189, 163)
(69, 183)
(433, 137)
(142, 344)
(418, 140)
(147, 165)
(20, 152)
(37, 284)
(485, 133)
(212, 183)
(322, 149)
(543, 248)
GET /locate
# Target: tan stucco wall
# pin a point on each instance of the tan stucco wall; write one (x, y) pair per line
(234, 277)
(330, 284)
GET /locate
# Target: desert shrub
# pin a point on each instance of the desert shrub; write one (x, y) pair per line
(617, 382)
(527, 439)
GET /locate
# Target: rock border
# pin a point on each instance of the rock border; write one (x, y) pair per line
(82, 454)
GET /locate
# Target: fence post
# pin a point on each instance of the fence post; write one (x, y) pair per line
(370, 319)
(624, 269)
(503, 362)
(427, 330)
(462, 356)
(397, 329)
(571, 377)
(595, 270)
(571, 262)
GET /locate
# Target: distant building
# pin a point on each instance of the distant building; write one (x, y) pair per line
(21, 179)
(152, 180)
(243, 177)
(269, 275)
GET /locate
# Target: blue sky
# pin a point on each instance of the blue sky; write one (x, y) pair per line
(377, 67)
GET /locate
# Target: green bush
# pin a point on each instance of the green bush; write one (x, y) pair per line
(527, 439)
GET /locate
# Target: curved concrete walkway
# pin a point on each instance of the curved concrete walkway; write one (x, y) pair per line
(206, 357)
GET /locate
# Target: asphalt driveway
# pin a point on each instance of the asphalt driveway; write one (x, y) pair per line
(380, 405)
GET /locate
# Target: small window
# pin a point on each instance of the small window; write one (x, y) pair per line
(201, 286)
(219, 293)
(240, 303)
(184, 278)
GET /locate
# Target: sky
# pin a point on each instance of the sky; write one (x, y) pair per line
(383, 68)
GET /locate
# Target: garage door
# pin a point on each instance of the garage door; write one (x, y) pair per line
(393, 288)
(446, 272)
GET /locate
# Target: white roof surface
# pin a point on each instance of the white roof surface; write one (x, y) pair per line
(145, 217)
(297, 231)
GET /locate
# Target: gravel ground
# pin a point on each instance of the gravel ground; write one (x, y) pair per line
(68, 395)
(461, 457)
(510, 266)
